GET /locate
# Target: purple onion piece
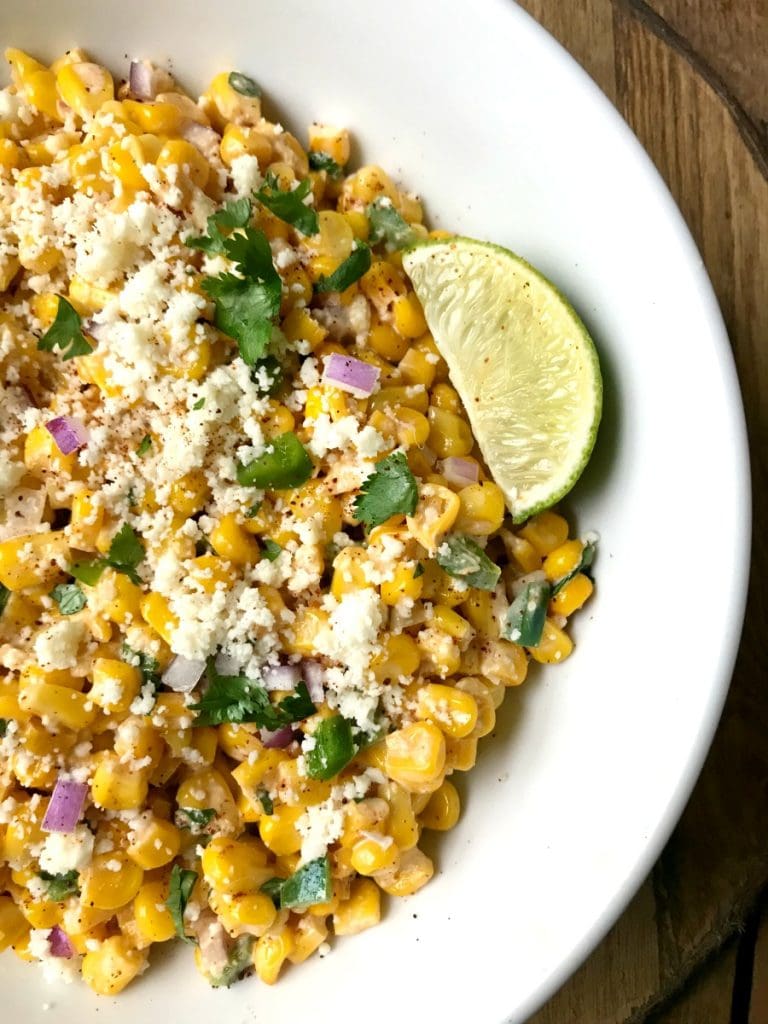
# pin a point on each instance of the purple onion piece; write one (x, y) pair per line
(66, 806)
(314, 676)
(278, 738)
(281, 677)
(202, 137)
(349, 374)
(183, 674)
(460, 472)
(59, 942)
(68, 433)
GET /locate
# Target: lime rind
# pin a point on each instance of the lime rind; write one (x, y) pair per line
(522, 361)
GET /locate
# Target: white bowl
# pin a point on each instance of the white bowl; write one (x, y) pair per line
(475, 107)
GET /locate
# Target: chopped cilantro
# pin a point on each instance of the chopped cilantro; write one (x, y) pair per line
(238, 962)
(524, 623)
(145, 663)
(253, 511)
(418, 571)
(240, 699)
(266, 801)
(144, 446)
(235, 214)
(390, 490)
(199, 404)
(310, 884)
(267, 375)
(246, 306)
(4, 595)
(125, 552)
(351, 270)
(320, 161)
(289, 206)
(388, 226)
(194, 819)
(465, 560)
(69, 597)
(284, 464)
(3, 727)
(65, 333)
(61, 886)
(182, 884)
(270, 550)
(334, 748)
(244, 85)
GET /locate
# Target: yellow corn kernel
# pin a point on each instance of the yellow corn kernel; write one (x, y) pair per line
(278, 831)
(454, 711)
(251, 912)
(482, 509)
(313, 500)
(309, 933)
(440, 654)
(24, 831)
(115, 789)
(362, 910)
(349, 575)
(232, 542)
(482, 693)
(460, 755)
(324, 138)
(415, 756)
(239, 140)
(11, 156)
(545, 532)
(111, 880)
(223, 104)
(445, 397)
(373, 852)
(358, 221)
(573, 595)
(563, 559)
(13, 925)
(402, 585)
(42, 455)
(208, 788)
(209, 572)
(555, 645)
(157, 613)
(189, 493)
(187, 159)
(86, 521)
(35, 81)
(9, 268)
(122, 603)
(33, 560)
(116, 684)
(394, 396)
(85, 87)
(408, 320)
(479, 608)
(301, 636)
(108, 969)
(232, 866)
(416, 367)
(382, 284)
(153, 919)
(435, 514)
(449, 434)
(412, 871)
(443, 808)
(91, 368)
(367, 184)
(155, 118)
(41, 913)
(64, 705)
(450, 622)
(270, 953)
(136, 739)
(387, 343)
(124, 159)
(154, 844)
(503, 662)
(299, 325)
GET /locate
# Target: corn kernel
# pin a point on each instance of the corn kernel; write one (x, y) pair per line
(153, 919)
(555, 645)
(108, 969)
(412, 871)
(415, 756)
(573, 595)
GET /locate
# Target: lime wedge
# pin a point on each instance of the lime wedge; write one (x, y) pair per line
(522, 362)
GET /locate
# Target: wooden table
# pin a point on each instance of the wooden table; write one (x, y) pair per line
(691, 78)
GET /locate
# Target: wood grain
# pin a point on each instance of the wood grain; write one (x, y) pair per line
(693, 91)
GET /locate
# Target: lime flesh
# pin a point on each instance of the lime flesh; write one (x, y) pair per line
(522, 362)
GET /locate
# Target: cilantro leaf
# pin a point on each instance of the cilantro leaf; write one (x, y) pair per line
(284, 464)
(145, 663)
(246, 306)
(235, 214)
(334, 748)
(310, 884)
(88, 572)
(182, 884)
(199, 403)
(195, 819)
(390, 490)
(266, 801)
(144, 446)
(289, 205)
(253, 511)
(320, 161)
(351, 270)
(244, 85)
(4, 595)
(524, 622)
(62, 885)
(65, 333)
(418, 571)
(240, 699)
(388, 226)
(465, 560)
(3, 727)
(125, 552)
(69, 597)
(270, 550)
(238, 962)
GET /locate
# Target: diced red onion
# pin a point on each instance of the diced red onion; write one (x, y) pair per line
(202, 137)
(314, 676)
(66, 806)
(278, 739)
(68, 433)
(281, 677)
(460, 472)
(349, 374)
(145, 81)
(183, 674)
(24, 509)
(59, 942)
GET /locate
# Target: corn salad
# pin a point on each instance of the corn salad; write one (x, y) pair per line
(260, 599)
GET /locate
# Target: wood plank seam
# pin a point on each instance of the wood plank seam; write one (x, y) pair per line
(748, 129)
